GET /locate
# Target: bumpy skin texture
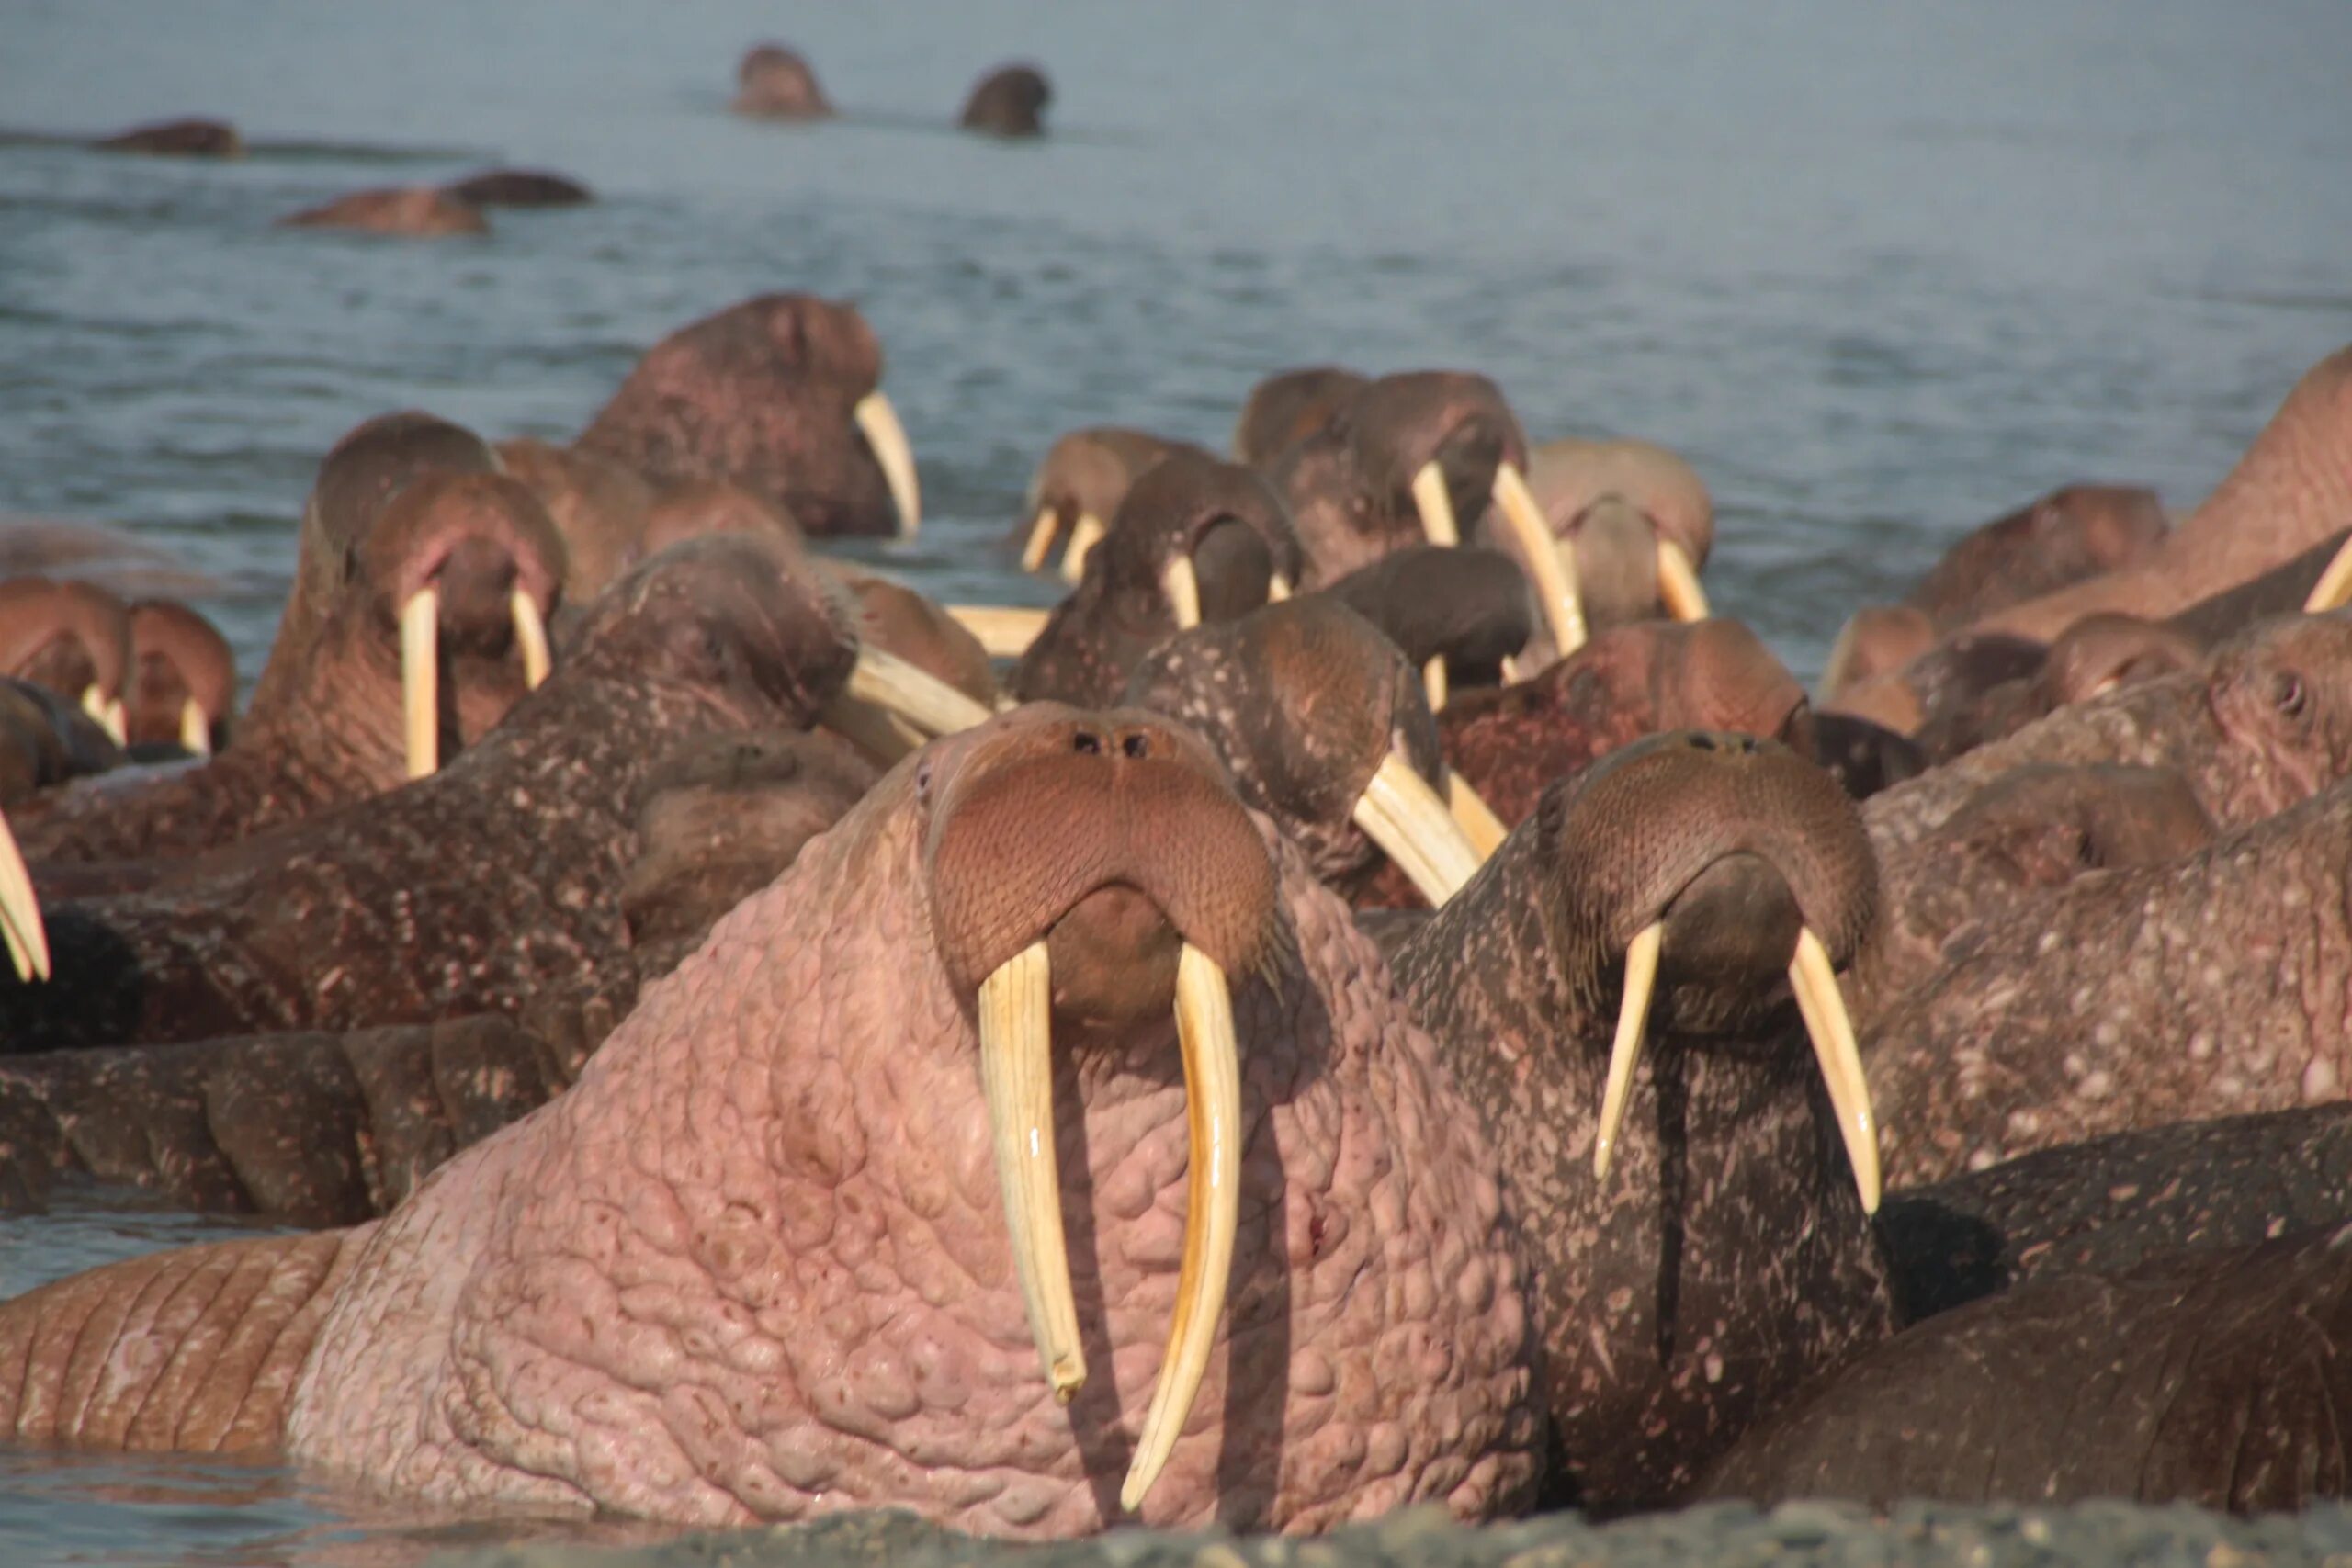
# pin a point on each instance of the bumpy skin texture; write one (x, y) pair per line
(1349, 485)
(176, 657)
(2114, 1202)
(721, 819)
(1288, 407)
(1301, 701)
(1007, 101)
(599, 506)
(1088, 471)
(334, 734)
(519, 187)
(760, 395)
(2211, 984)
(2292, 487)
(314, 1128)
(775, 83)
(2076, 532)
(178, 138)
(1726, 1257)
(46, 741)
(1224, 516)
(2216, 1378)
(1635, 681)
(2225, 728)
(428, 904)
(418, 212)
(754, 1264)
(2032, 830)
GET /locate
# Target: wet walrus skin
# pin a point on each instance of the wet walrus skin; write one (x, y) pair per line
(754, 1265)
(2212, 1378)
(480, 888)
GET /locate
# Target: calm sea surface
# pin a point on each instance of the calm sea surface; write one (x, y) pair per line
(1881, 274)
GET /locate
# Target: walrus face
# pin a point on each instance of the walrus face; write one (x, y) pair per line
(1078, 489)
(775, 83)
(72, 638)
(463, 569)
(2102, 652)
(2282, 690)
(1158, 890)
(184, 680)
(1719, 863)
(1636, 524)
(1321, 723)
(1288, 407)
(1195, 540)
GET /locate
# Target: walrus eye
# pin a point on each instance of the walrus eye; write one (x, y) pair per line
(2287, 692)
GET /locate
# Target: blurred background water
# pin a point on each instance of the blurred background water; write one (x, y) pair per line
(1882, 273)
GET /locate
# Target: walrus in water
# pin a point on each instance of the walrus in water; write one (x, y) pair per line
(1008, 101)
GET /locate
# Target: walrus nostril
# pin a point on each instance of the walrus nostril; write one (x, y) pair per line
(1087, 743)
(1136, 746)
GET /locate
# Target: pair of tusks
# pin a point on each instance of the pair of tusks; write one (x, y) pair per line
(108, 714)
(21, 923)
(1550, 561)
(1006, 633)
(420, 668)
(1434, 842)
(1017, 1078)
(891, 707)
(1084, 534)
(879, 421)
(1813, 979)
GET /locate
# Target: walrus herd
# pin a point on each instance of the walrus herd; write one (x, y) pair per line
(1378, 996)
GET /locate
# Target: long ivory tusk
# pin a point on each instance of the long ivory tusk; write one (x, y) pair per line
(1548, 560)
(107, 712)
(1436, 507)
(1278, 588)
(1084, 534)
(1002, 630)
(1474, 816)
(20, 922)
(1509, 669)
(1183, 588)
(531, 637)
(879, 421)
(1433, 682)
(1040, 539)
(1211, 1210)
(2335, 584)
(420, 679)
(1402, 814)
(1017, 1078)
(914, 693)
(1632, 1015)
(196, 734)
(1678, 583)
(1815, 980)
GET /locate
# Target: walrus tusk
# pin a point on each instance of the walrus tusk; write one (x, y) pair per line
(1474, 817)
(915, 694)
(20, 922)
(1002, 631)
(1278, 588)
(531, 637)
(1402, 814)
(108, 714)
(879, 421)
(1017, 1078)
(1632, 1015)
(1084, 534)
(1678, 583)
(1433, 682)
(2335, 584)
(1183, 588)
(1211, 1210)
(1040, 539)
(420, 679)
(1550, 562)
(196, 732)
(1436, 507)
(1815, 980)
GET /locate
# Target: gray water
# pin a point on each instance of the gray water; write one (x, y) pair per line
(1881, 274)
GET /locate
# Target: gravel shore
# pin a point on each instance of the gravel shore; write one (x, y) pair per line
(1730, 1535)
